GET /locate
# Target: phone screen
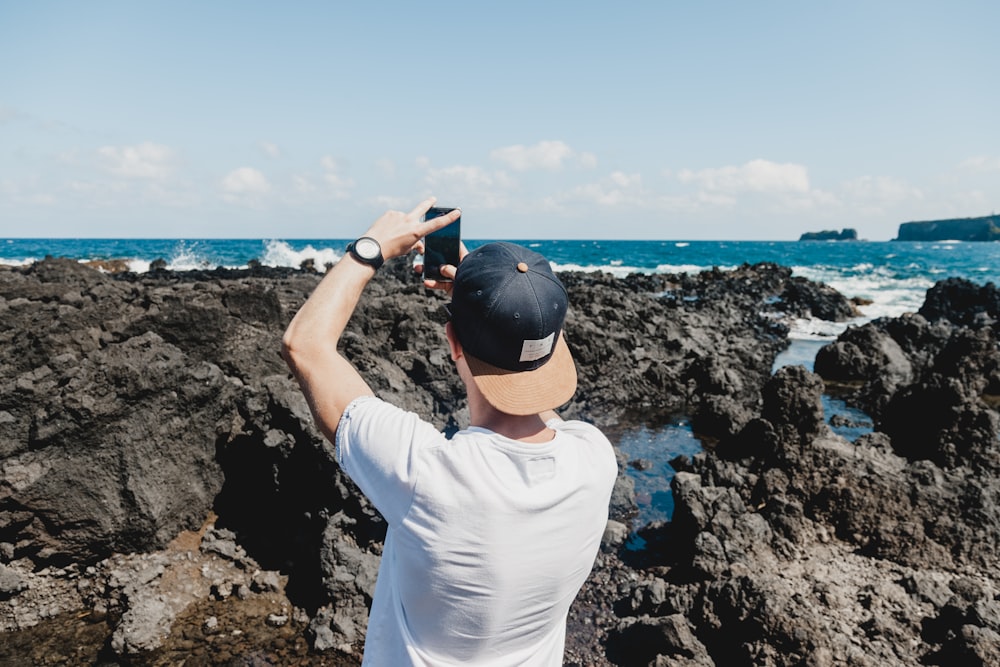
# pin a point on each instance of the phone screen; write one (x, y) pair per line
(441, 247)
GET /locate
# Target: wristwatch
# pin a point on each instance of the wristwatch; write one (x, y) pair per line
(367, 251)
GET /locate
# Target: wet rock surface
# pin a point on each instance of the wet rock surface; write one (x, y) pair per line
(165, 497)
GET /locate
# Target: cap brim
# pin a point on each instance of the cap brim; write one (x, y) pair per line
(528, 392)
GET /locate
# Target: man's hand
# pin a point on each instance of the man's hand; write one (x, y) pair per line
(447, 270)
(398, 233)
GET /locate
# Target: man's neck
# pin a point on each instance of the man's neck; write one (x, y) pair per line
(523, 428)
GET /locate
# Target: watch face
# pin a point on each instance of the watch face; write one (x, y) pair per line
(367, 248)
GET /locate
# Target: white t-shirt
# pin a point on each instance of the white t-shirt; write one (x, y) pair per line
(489, 539)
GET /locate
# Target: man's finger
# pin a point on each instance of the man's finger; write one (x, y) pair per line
(441, 221)
(445, 285)
(421, 209)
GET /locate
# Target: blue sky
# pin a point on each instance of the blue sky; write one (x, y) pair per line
(642, 120)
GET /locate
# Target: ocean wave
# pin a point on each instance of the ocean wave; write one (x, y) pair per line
(815, 329)
(18, 262)
(886, 293)
(618, 271)
(194, 255)
(691, 268)
(187, 256)
(281, 253)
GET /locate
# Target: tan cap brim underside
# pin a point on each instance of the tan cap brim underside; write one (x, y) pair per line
(528, 392)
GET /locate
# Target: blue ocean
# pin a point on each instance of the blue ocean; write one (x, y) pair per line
(893, 276)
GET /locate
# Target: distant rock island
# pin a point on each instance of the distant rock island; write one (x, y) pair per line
(986, 228)
(846, 234)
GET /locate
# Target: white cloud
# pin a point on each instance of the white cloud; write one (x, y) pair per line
(461, 175)
(341, 186)
(811, 201)
(547, 155)
(755, 188)
(329, 163)
(25, 193)
(392, 202)
(972, 200)
(244, 185)
(624, 180)
(386, 166)
(755, 176)
(302, 184)
(873, 193)
(587, 160)
(269, 149)
(981, 163)
(467, 183)
(705, 199)
(146, 160)
(96, 187)
(466, 177)
(617, 189)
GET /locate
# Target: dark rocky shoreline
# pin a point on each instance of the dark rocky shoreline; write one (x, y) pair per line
(164, 496)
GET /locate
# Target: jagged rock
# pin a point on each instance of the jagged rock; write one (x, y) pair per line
(615, 534)
(134, 407)
(810, 299)
(655, 345)
(104, 440)
(861, 353)
(940, 421)
(962, 302)
(928, 379)
(719, 417)
(11, 582)
(793, 397)
(665, 640)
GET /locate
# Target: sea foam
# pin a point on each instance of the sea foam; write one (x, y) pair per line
(280, 253)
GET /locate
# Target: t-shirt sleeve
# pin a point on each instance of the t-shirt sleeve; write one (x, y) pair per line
(600, 447)
(378, 445)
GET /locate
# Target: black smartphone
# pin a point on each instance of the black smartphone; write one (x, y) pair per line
(441, 247)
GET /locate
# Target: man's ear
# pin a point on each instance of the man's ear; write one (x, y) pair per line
(453, 344)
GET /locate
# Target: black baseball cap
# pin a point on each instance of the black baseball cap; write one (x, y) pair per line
(507, 311)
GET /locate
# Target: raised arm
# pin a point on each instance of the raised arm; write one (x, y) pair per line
(329, 381)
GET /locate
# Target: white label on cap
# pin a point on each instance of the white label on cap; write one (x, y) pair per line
(533, 350)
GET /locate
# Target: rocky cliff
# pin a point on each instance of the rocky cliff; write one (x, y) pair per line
(165, 497)
(960, 229)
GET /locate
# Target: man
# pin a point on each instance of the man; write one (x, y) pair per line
(491, 533)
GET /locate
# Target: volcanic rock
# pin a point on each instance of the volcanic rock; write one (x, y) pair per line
(159, 468)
